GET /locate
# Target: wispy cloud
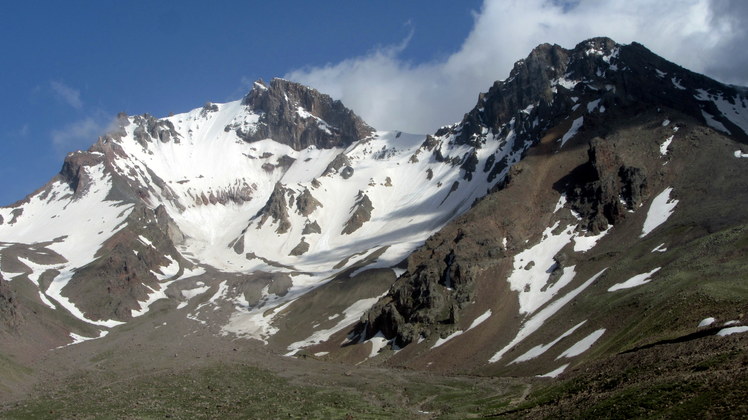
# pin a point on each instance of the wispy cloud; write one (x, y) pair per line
(67, 94)
(79, 134)
(390, 92)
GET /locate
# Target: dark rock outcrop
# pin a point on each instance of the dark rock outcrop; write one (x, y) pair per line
(301, 248)
(361, 214)
(311, 227)
(340, 161)
(122, 275)
(275, 208)
(300, 117)
(148, 129)
(602, 190)
(10, 317)
(306, 204)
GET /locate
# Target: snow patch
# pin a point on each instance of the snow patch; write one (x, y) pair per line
(554, 373)
(77, 338)
(592, 105)
(378, 342)
(533, 268)
(477, 321)
(637, 280)
(441, 341)
(707, 322)
(350, 315)
(660, 248)
(665, 145)
(559, 205)
(660, 210)
(536, 321)
(542, 348)
(582, 345)
(732, 330)
(575, 126)
(585, 243)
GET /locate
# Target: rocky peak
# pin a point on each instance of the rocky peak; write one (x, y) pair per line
(300, 117)
(552, 82)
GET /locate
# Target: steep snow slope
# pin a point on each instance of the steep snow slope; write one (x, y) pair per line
(245, 206)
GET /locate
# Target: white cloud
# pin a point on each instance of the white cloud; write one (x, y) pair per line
(79, 134)
(392, 93)
(67, 94)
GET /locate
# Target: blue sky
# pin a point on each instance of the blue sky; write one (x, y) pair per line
(70, 66)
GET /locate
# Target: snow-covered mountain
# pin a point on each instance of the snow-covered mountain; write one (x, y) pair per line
(285, 218)
(285, 181)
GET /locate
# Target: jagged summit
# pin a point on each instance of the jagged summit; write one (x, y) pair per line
(300, 116)
(552, 80)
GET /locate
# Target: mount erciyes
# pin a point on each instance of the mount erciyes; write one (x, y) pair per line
(587, 214)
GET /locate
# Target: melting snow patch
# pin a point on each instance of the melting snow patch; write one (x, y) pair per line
(559, 205)
(738, 154)
(158, 294)
(659, 211)
(592, 105)
(582, 345)
(711, 122)
(168, 271)
(378, 342)
(190, 293)
(350, 315)
(542, 348)
(665, 144)
(707, 322)
(575, 126)
(54, 291)
(665, 123)
(554, 373)
(585, 243)
(637, 280)
(533, 268)
(441, 341)
(736, 112)
(660, 248)
(145, 240)
(732, 330)
(46, 301)
(479, 320)
(677, 84)
(536, 321)
(80, 338)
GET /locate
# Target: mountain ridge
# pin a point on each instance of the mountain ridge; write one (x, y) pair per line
(545, 232)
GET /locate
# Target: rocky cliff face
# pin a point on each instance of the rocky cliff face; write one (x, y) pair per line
(9, 317)
(300, 117)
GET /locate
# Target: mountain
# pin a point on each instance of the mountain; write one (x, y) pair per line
(586, 212)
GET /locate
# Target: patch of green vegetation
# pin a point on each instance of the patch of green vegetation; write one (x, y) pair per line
(223, 391)
(656, 384)
(11, 371)
(242, 391)
(104, 355)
